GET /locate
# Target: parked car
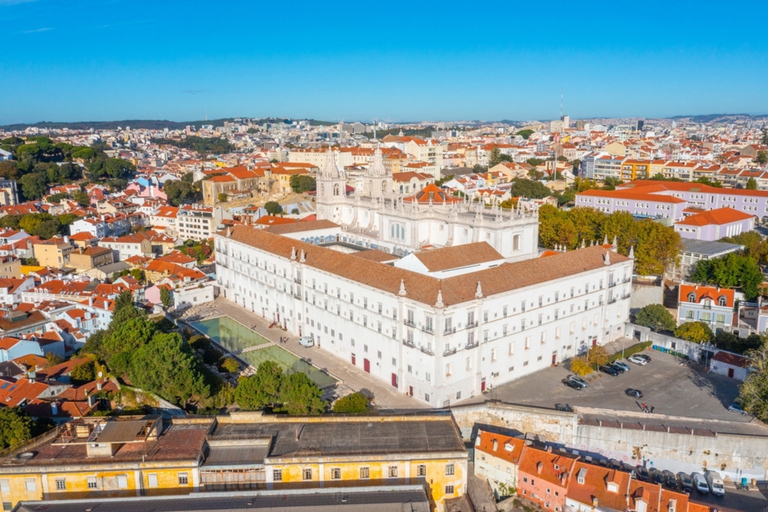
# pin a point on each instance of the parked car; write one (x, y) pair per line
(670, 480)
(686, 482)
(576, 378)
(634, 393)
(642, 474)
(637, 360)
(622, 364)
(715, 483)
(643, 356)
(700, 483)
(573, 384)
(616, 367)
(735, 407)
(306, 341)
(657, 476)
(610, 370)
(564, 407)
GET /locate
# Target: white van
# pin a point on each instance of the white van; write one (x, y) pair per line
(700, 483)
(306, 341)
(715, 483)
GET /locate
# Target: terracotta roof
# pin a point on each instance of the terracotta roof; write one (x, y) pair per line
(432, 193)
(297, 227)
(596, 480)
(507, 447)
(554, 466)
(636, 195)
(374, 255)
(421, 288)
(273, 220)
(705, 292)
(458, 256)
(731, 359)
(718, 216)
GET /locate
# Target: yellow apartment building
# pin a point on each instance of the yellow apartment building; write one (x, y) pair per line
(146, 456)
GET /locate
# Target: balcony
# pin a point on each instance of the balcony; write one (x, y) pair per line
(408, 343)
(427, 350)
(449, 351)
(297, 280)
(471, 325)
(449, 330)
(427, 329)
(472, 344)
(409, 322)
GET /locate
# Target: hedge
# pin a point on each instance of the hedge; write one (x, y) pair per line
(634, 349)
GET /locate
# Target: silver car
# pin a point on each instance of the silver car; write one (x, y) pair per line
(637, 360)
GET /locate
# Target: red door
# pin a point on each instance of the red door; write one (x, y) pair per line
(353, 359)
(367, 365)
(594, 342)
(554, 359)
(482, 385)
(730, 372)
(410, 390)
(394, 380)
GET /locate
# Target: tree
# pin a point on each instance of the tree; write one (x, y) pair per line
(123, 340)
(33, 185)
(525, 133)
(137, 274)
(165, 297)
(167, 366)
(261, 389)
(597, 356)
(729, 271)
(230, 365)
(522, 187)
(697, 332)
(656, 317)
(753, 395)
(580, 366)
(83, 372)
(273, 207)
(300, 396)
(356, 403)
(706, 181)
(751, 184)
(222, 197)
(82, 198)
(301, 183)
(762, 157)
(495, 157)
(15, 427)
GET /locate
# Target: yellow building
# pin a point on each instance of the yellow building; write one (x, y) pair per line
(132, 456)
(53, 253)
(635, 170)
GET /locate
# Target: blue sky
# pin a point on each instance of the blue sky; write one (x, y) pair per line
(66, 60)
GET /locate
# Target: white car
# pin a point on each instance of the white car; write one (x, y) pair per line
(306, 341)
(637, 360)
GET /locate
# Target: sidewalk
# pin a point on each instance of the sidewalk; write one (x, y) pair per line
(350, 377)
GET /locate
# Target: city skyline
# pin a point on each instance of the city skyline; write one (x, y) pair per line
(127, 61)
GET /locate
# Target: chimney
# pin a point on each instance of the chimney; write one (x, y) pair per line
(98, 386)
(539, 467)
(549, 449)
(495, 444)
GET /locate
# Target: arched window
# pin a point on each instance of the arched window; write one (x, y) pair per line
(336, 189)
(397, 231)
(691, 297)
(722, 301)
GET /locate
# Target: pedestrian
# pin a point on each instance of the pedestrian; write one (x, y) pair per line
(652, 408)
(645, 408)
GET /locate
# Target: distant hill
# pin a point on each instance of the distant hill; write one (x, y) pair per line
(145, 124)
(708, 118)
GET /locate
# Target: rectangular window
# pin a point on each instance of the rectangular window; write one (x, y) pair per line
(307, 474)
(277, 475)
(392, 472)
(421, 470)
(122, 481)
(30, 485)
(336, 474)
(364, 473)
(183, 479)
(61, 484)
(448, 489)
(93, 483)
(449, 469)
(151, 480)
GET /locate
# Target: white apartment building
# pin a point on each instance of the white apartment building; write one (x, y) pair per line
(198, 222)
(463, 323)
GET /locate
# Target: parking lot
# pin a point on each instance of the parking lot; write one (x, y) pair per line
(669, 386)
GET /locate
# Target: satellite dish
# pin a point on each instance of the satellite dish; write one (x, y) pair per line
(101, 374)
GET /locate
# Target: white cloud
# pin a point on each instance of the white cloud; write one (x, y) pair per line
(35, 30)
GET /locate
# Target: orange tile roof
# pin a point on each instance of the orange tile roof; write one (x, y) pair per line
(554, 466)
(596, 485)
(639, 195)
(706, 292)
(511, 454)
(718, 216)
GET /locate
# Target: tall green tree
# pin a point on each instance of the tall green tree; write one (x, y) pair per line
(15, 427)
(168, 367)
(751, 184)
(261, 389)
(33, 185)
(165, 297)
(753, 394)
(300, 396)
(656, 317)
(355, 403)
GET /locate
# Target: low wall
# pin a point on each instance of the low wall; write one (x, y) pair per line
(666, 343)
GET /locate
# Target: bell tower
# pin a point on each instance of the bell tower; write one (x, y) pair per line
(331, 189)
(378, 180)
